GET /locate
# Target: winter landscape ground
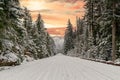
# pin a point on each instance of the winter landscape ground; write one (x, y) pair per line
(62, 67)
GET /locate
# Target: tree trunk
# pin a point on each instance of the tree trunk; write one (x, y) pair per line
(113, 35)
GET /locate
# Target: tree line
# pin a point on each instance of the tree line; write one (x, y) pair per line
(20, 36)
(97, 33)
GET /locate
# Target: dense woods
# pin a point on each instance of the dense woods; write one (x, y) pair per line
(88, 51)
(97, 34)
(21, 39)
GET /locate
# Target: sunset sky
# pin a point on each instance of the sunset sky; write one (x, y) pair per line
(55, 13)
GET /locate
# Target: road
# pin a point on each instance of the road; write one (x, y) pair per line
(62, 67)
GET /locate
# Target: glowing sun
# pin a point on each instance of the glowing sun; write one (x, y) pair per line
(35, 5)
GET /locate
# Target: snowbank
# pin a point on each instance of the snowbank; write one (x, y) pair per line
(9, 57)
(27, 59)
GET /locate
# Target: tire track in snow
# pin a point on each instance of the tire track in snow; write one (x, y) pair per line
(90, 70)
(101, 69)
(61, 67)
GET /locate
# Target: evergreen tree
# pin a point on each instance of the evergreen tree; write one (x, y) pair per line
(27, 20)
(20, 38)
(29, 38)
(42, 37)
(11, 29)
(50, 45)
(98, 32)
(68, 38)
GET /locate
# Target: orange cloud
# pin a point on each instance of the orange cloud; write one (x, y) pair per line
(55, 12)
(57, 31)
(78, 5)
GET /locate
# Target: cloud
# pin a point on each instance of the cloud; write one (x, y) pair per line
(79, 10)
(42, 11)
(68, 1)
(55, 12)
(56, 31)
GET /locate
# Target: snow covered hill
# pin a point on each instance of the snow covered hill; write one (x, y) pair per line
(62, 67)
(59, 41)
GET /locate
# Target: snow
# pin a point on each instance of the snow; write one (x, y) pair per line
(10, 57)
(59, 41)
(117, 61)
(1, 8)
(62, 67)
(27, 59)
(8, 44)
(4, 68)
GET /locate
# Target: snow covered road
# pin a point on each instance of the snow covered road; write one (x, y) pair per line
(62, 67)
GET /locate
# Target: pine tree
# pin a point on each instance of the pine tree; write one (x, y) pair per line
(68, 38)
(19, 36)
(101, 15)
(50, 45)
(10, 32)
(2, 21)
(114, 7)
(27, 20)
(109, 18)
(30, 37)
(42, 37)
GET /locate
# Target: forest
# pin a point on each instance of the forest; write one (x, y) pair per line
(22, 39)
(96, 35)
(89, 50)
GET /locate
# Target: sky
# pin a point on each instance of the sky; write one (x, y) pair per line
(55, 13)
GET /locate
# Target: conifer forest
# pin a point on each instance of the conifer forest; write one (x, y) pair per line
(59, 39)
